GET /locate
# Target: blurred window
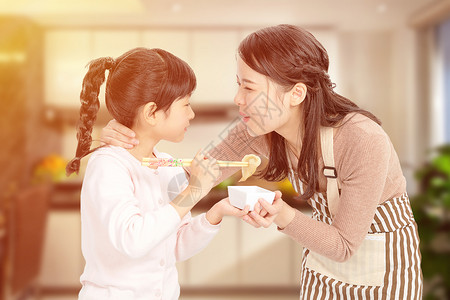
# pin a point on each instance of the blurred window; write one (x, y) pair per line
(443, 39)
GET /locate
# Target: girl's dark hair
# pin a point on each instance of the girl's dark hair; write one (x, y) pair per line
(137, 77)
(289, 55)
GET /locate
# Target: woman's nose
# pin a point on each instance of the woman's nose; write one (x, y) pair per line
(238, 99)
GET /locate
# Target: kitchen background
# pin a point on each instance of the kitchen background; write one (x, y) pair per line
(391, 57)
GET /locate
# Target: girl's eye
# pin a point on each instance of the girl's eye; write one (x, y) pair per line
(247, 88)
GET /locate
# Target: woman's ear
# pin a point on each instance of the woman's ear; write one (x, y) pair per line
(298, 94)
(149, 113)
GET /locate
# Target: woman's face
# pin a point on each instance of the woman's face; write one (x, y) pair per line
(263, 106)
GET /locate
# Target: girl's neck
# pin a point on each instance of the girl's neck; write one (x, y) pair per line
(144, 148)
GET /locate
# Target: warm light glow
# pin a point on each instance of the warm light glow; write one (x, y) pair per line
(176, 7)
(381, 8)
(12, 57)
(30, 7)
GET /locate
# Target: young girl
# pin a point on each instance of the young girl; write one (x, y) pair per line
(135, 220)
(362, 241)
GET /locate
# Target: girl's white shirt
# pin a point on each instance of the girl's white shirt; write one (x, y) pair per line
(131, 235)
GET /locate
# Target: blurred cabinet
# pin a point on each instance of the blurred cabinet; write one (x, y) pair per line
(211, 54)
(26, 219)
(177, 42)
(67, 53)
(110, 43)
(214, 62)
(21, 44)
(242, 256)
(268, 257)
(62, 262)
(239, 256)
(113, 42)
(217, 263)
(3, 254)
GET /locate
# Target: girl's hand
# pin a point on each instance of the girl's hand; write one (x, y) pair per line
(116, 134)
(204, 173)
(224, 208)
(265, 214)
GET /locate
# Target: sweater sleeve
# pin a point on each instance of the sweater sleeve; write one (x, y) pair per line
(363, 175)
(236, 143)
(109, 198)
(193, 236)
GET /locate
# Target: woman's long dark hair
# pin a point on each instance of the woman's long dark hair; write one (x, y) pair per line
(137, 77)
(289, 55)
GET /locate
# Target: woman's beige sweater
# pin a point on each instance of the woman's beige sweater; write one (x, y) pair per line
(368, 171)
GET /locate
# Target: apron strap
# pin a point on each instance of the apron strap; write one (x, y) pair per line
(329, 170)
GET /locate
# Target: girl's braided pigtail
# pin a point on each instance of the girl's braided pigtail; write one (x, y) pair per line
(90, 105)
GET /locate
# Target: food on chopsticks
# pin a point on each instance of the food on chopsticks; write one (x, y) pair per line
(249, 164)
(253, 162)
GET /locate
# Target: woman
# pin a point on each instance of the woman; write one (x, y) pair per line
(362, 240)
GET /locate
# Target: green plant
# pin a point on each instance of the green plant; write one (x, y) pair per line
(431, 207)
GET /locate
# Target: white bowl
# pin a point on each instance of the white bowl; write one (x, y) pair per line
(240, 196)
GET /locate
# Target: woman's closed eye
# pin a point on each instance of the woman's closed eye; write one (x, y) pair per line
(244, 87)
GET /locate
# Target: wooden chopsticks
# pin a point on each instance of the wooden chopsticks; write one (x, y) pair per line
(179, 162)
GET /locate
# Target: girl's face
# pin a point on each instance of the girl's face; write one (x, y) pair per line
(263, 106)
(175, 121)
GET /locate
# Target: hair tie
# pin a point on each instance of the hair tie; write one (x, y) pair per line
(76, 162)
(73, 166)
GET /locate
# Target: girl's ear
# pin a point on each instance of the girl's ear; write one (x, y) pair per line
(149, 113)
(298, 94)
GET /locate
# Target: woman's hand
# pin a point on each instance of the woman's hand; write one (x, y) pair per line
(265, 214)
(204, 173)
(116, 134)
(224, 208)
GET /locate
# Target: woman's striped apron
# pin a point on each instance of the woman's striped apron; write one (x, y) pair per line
(385, 266)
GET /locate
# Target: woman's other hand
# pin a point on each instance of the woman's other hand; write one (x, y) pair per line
(265, 214)
(116, 134)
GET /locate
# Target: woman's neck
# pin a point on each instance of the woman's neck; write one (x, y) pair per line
(292, 131)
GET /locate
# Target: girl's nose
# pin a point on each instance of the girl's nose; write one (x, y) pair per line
(191, 113)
